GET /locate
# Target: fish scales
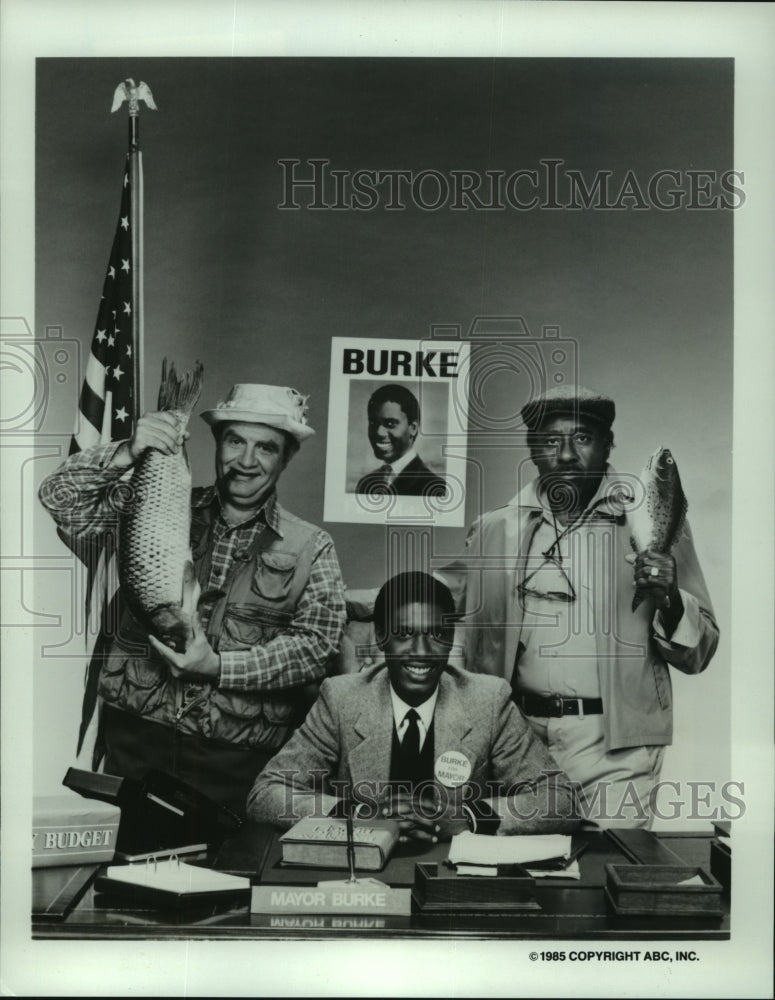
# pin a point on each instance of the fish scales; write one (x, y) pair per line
(658, 520)
(155, 555)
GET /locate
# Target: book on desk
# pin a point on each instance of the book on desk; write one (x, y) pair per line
(66, 830)
(322, 843)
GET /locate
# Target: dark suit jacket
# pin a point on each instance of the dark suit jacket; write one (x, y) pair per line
(347, 736)
(416, 480)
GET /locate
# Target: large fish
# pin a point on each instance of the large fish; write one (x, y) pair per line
(156, 570)
(658, 520)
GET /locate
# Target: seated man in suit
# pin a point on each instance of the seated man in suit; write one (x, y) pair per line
(437, 748)
(394, 420)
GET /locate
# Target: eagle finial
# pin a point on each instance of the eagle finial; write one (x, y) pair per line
(127, 91)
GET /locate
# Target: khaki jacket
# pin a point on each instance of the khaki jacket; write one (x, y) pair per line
(632, 659)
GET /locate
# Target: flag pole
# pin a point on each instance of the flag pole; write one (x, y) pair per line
(136, 229)
(127, 91)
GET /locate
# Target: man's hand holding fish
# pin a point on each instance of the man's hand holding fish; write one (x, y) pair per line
(161, 431)
(655, 573)
(198, 660)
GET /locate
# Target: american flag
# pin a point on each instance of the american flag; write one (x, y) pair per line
(106, 412)
(106, 406)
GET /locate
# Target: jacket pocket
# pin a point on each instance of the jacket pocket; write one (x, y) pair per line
(133, 683)
(274, 575)
(662, 683)
(278, 711)
(246, 625)
(249, 720)
(246, 706)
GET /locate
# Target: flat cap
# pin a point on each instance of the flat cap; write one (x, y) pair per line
(573, 399)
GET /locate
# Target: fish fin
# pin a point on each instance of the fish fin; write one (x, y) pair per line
(178, 392)
(682, 516)
(189, 598)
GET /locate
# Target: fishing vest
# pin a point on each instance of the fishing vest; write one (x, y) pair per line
(260, 594)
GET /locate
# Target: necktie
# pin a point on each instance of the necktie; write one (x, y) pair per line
(411, 741)
(379, 481)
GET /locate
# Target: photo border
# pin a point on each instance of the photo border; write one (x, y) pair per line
(741, 967)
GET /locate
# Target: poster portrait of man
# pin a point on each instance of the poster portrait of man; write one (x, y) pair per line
(400, 409)
(393, 419)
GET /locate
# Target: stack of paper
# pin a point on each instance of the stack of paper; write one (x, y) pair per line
(474, 854)
(475, 849)
(172, 882)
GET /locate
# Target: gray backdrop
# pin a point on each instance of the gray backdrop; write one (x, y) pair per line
(645, 296)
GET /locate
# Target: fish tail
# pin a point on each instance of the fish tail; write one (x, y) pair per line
(180, 392)
(637, 599)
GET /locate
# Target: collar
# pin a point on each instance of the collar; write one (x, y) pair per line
(209, 496)
(606, 504)
(425, 711)
(401, 463)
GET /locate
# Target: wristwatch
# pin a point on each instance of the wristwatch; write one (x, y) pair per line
(481, 817)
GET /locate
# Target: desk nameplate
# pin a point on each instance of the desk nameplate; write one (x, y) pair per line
(365, 897)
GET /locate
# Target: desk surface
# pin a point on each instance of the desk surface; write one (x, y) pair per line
(568, 909)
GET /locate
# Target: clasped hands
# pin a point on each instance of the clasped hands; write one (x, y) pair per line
(424, 817)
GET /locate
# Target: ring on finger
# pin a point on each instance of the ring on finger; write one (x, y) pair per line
(654, 571)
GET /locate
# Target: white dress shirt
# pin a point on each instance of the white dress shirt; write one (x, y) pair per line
(401, 463)
(425, 711)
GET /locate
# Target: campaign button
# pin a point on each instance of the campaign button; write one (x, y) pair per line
(452, 768)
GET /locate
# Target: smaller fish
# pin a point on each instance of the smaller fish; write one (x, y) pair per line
(658, 520)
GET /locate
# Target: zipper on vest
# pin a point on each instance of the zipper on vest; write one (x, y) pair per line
(183, 705)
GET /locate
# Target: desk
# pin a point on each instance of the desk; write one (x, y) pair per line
(568, 909)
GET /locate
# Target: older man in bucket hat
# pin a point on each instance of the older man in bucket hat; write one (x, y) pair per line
(270, 617)
(547, 582)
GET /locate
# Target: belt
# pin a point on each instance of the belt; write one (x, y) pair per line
(557, 706)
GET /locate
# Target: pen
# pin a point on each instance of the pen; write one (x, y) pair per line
(350, 842)
(576, 854)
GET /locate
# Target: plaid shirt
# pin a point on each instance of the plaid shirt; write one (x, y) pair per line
(81, 499)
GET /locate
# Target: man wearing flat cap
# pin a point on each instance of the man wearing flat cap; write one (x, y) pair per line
(270, 617)
(547, 584)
